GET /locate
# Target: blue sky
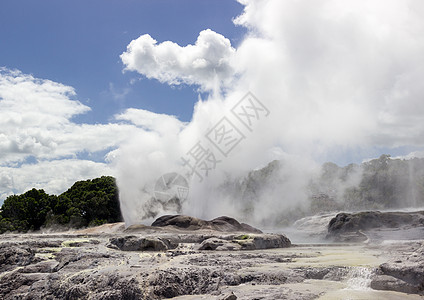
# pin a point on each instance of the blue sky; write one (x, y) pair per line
(78, 43)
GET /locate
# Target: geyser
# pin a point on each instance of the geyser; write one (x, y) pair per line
(341, 80)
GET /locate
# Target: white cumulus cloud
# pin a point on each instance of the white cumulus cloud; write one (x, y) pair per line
(207, 63)
(54, 176)
(39, 142)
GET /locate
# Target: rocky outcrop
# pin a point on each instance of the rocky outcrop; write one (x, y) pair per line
(134, 243)
(218, 242)
(263, 241)
(403, 274)
(352, 227)
(219, 245)
(247, 242)
(223, 224)
(12, 256)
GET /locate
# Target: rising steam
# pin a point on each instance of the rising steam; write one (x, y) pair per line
(339, 79)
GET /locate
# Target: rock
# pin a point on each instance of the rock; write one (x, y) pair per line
(227, 224)
(47, 266)
(133, 243)
(404, 272)
(219, 245)
(407, 278)
(351, 227)
(389, 283)
(219, 234)
(229, 296)
(12, 256)
(247, 242)
(92, 285)
(223, 224)
(19, 283)
(180, 221)
(263, 241)
(349, 237)
(93, 271)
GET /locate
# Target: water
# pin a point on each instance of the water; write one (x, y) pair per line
(359, 278)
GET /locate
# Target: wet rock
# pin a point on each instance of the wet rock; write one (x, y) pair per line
(390, 283)
(407, 278)
(404, 272)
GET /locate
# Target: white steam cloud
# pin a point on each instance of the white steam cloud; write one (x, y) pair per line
(337, 76)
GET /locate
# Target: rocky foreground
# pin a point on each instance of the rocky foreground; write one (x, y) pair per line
(189, 258)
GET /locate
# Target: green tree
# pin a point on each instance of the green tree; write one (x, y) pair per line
(27, 211)
(86, 203)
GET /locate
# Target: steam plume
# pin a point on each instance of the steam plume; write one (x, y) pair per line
(337, 77)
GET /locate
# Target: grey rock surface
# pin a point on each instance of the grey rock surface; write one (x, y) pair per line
(404, 273)
(134, 243)
(224, 224)
(353, 227)
(165, 262)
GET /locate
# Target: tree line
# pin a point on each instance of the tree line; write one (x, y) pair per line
(86, 203)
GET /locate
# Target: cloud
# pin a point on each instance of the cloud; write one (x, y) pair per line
(346, 73)
(54, 177)
(35, 120)
(207, 63)
(161, 123)
(118, 94)
(39, 142)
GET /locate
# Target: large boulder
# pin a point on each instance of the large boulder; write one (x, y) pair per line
(351, 226)
(247, 242)
(224, 224)
(134, 243)
(404, 273)
(180, 221)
